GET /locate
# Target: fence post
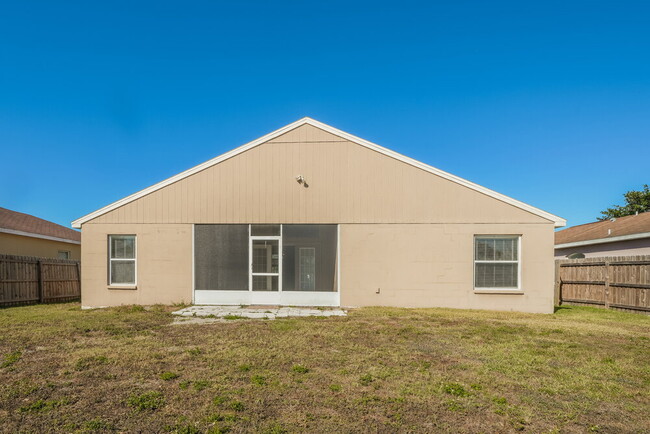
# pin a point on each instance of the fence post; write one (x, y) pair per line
(40, 281)
(607, 280)
(557, 298)
(79, 276)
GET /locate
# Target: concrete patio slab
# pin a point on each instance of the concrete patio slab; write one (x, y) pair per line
(255, 312)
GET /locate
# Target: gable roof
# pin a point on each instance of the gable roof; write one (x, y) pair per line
(18, 223)
(308, 121)
(607, 231)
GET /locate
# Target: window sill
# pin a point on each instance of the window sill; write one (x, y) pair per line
(499, 291)
(122, 287)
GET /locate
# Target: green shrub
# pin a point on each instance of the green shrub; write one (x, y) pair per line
(335, 387)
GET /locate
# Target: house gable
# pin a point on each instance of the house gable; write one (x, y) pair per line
(348, 180)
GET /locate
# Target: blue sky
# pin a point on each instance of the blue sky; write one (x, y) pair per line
(547, 102)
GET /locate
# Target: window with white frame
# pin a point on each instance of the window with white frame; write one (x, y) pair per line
(64, 254)
(496, 262)
(122, 260)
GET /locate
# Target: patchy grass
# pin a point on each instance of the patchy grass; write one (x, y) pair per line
(146, 401)
(455, 389)
(42, 405)
(300, 369)
(168, 376)
(379, 369)
(85, 363)
(10, 359)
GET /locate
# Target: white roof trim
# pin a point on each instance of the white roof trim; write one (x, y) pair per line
(557, 220)
(33, 235)
(604, 240)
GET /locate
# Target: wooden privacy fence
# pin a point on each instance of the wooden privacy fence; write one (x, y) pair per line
(619, 282)
(25, 280)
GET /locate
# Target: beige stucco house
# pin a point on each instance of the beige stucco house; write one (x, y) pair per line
(311, 215)
(27, 235)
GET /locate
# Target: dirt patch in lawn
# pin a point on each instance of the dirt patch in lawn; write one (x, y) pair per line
(378, 369)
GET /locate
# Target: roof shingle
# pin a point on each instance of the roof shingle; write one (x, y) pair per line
(633, 224)
(18, 221)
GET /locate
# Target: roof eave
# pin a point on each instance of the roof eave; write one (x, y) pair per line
(41, 236)
(603, 240)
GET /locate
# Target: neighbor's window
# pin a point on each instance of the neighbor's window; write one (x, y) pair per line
(496, 261)
(64, 254)
(122, 258)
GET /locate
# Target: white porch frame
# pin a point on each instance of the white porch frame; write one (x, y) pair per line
(279, 297)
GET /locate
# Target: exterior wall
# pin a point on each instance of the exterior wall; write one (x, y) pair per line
(619, 248)
(413, 265)
(404, 230)
(11, 244)
(164, 265)
(427, 265)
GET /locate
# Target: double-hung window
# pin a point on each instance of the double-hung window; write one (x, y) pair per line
(122, 260)
(497, 262)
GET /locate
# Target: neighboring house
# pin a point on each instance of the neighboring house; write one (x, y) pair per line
(311, 215)
(623, 236)
(26, 235)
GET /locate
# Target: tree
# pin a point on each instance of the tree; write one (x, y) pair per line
(635, 202)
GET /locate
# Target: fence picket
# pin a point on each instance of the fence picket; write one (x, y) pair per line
(616, 282)
(26, 280)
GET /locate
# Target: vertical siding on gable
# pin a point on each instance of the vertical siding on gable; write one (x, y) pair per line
(347, 183)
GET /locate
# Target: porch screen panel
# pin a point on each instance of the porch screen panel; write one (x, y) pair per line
(221, 257)
(313, 269)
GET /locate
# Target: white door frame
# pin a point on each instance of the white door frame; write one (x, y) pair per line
(251, 239)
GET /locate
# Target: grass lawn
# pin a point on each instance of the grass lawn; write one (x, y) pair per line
(379, 369)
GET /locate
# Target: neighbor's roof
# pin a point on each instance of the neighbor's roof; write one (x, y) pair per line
(308, 121)
(18, 223)
(608, 231)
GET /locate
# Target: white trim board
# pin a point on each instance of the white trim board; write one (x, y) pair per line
(276, 298)
(604, 240)
(33, 235)
(559, 222)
